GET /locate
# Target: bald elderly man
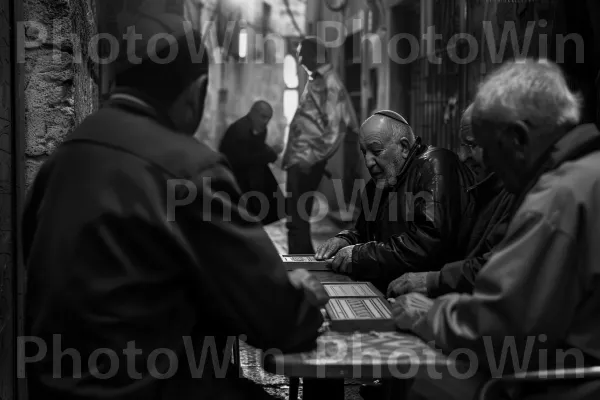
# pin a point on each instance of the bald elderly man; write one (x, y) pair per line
(249, 156)
(416, 211)
(494, 208)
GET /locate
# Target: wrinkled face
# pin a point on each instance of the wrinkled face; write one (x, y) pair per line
(470, 153)
(501, 153)
(260, 118)
(384, 158)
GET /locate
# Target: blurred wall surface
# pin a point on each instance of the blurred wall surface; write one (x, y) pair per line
(248, 41)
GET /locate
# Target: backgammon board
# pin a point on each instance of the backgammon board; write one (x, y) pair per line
(351, 289)
(306, 261)
(360, 314)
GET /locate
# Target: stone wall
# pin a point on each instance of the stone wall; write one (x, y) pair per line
(59, 91)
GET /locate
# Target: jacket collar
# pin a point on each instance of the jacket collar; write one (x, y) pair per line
(576, 143)
(138, 102)
(323, 70)
(490, 182)
(417, 149)
(580, 141)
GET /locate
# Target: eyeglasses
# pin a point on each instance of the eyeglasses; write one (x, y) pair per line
(470, 146)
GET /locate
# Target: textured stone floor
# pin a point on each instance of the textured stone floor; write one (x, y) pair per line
(278, 386)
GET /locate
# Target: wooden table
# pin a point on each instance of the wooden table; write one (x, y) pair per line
(339, 356)
(374, 355)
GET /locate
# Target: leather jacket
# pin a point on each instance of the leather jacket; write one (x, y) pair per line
(420, 224)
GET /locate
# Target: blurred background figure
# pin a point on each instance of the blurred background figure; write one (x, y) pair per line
(244, 146)
(324, 116)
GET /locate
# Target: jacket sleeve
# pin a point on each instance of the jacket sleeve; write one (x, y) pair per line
(265, 156)
(427, 238)
(358, 234)
(338, 108)
(530, 281)
(238, 155)
(238, 271)
(458, 276)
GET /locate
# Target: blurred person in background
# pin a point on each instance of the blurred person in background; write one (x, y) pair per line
(244, 146)
(324, 116)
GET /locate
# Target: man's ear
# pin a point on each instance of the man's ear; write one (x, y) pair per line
(405, 146)
(202, 90)
(517, 139)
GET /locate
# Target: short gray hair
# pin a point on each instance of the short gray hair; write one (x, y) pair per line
(399, 130)
(527, 90)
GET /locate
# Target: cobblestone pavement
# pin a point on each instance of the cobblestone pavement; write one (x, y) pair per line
(278, 386)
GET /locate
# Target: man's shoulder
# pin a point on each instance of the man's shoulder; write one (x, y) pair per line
(135, 135)
(576, 182)
(564, 196)
(332, 81)
(438, 159)
(238, 124)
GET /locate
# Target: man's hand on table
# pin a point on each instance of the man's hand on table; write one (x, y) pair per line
(407, 310)
(411, 282)
(316, 293)
(330, 248)
(342, 263)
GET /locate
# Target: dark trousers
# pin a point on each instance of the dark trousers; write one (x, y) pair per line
(299, 207)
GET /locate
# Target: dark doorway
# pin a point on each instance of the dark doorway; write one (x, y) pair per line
(404, 61)
(352, 80)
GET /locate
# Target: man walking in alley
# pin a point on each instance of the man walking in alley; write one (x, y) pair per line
(493, 211)
(139, 283)
(416, 213)
(244, 146)
(539, 292)
(323, 118)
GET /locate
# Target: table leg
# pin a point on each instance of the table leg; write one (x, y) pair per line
(316, 389)
(397, 388)
(294, 386)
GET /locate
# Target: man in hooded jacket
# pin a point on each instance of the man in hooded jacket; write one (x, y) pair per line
(141, 264)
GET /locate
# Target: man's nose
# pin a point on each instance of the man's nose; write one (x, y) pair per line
(369, 160)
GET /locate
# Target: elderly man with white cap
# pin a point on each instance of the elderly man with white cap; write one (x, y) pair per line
(416, 211)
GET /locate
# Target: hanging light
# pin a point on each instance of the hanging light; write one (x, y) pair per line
(290, 104)
(243, 43)
(290, 71)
